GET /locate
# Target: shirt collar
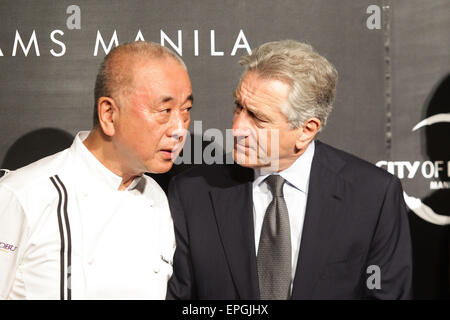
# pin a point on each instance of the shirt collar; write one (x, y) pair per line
(92, 168)
(297, 174)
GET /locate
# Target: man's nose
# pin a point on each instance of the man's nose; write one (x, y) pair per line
(177, 127)
(241, 124)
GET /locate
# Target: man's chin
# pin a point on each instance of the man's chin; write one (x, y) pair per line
(162, 167)
(259, 166)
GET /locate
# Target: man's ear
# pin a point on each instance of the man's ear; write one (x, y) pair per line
(107, 112)
(307, 133)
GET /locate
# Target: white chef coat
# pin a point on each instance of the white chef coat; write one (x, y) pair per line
(295, 192)
(67, 232)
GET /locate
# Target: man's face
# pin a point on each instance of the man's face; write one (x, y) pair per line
(153, 116)
(263, 136)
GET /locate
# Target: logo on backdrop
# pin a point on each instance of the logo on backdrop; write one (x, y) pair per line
(73, 22)
(428, 170)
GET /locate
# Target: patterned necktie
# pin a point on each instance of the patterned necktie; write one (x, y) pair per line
(274, 251)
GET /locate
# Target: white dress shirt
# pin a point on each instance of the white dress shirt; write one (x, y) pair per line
(69, 230)
(295, 192)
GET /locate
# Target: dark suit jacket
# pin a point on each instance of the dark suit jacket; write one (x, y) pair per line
(355, 217)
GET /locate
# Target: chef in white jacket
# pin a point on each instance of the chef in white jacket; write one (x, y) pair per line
(86, 223)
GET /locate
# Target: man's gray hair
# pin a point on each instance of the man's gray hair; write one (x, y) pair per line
(114, 77)
(312, 78)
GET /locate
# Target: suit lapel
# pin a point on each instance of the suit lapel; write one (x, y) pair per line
(325, 197)
(233, 208)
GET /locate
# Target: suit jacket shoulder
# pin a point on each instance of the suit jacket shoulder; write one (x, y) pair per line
(350, 168)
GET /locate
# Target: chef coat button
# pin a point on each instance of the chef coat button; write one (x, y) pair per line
(156, 270)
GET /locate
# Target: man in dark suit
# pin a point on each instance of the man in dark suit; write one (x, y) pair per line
(293, 218)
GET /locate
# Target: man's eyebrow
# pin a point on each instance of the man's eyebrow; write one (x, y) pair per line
(165, 99)
(257, 113)
(250, 108)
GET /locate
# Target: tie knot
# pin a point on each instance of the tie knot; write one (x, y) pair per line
(275, 183)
